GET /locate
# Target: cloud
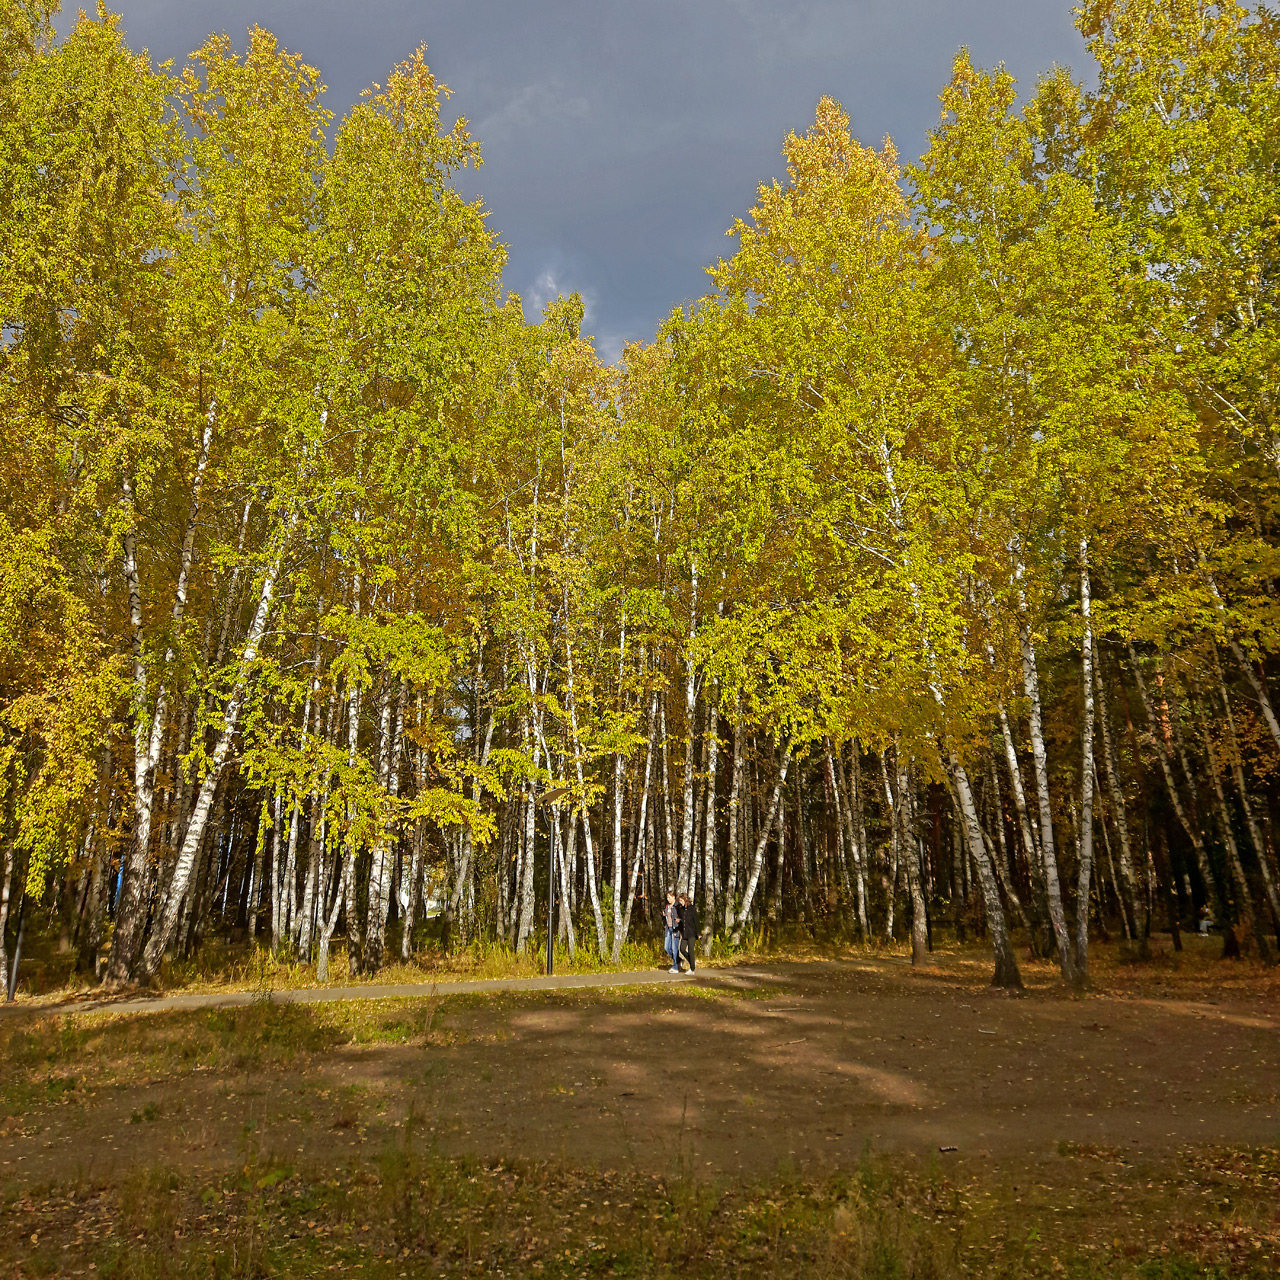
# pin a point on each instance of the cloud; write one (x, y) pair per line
(541, 106)
(551, 283)
(543, 290)
(621, 139)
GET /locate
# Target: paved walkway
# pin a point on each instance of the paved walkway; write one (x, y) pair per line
(323, 995)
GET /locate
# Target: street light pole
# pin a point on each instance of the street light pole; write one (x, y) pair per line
(548, 802)
(551, 896)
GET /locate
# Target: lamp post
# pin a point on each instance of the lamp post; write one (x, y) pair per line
(548, 801)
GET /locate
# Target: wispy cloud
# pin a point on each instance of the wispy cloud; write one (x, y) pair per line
(543, 105)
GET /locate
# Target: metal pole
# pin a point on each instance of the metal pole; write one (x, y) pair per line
(549, 807)
(17, 948)
(551, 893)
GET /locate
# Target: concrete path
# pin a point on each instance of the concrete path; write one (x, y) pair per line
(323, 995)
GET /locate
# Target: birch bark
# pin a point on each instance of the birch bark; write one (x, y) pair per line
(1086, 772)
(1244, 899)
(382, 863)
(619, 792)
(685, 867)
(735, 791)
(757, 861)
(95, 907)
(313, 898)
(1251, 822)
(1006, 964)
(525, 925)
(779, 862)
(643, 824)
(1258, 685)
(709, 823)
(1110, 761)
(1000, 850)
(7, 869)
(1053, 888)
(131, 910)
(670, 867)
(1163, 753)
(455, 904)
(593, 891)
(168, 916)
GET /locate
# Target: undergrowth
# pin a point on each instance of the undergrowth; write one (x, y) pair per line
(409, 1211)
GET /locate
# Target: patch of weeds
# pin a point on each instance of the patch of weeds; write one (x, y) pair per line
(411, 1210)
(1091, 1151)
(1180, 1269)
(347, 1115)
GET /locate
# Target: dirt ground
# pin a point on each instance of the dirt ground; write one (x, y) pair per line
(790, 1065)
(841, 1118)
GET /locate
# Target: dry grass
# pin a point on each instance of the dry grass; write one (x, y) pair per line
(376, 1193)
(409, 1212)
(1198, 971)
(48, 979)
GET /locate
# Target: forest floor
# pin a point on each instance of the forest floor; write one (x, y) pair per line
(846, 1117)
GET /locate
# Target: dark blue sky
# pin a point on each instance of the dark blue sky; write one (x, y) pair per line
(621, 137)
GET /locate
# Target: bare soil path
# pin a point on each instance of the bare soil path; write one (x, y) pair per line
(736, 1071)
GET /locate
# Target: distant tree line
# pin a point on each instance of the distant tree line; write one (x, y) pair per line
(922, 576)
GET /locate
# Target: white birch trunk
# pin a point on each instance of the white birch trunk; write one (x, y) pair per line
(1053, 889)
(131, 910)
(619, 779)
(524, 924)
(709, 823)
(685, 868)
(757, 861)
(642, 824)
(329, 920)
(1244, 899)
(1163, 753)
(1128, 887)
(910, 851)
(593, 890)
(669, 848)
(1259, 687)
(167, 918)
(1086, 772)
(1006, 964)
(779, 860)
(412, 900)
(6, 880)
(277, 825)
(381, 865)
(1030, 845)
(563, 857)
(735, 792)
(1251, 822)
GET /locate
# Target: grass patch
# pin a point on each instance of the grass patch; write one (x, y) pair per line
(409, 1211)
(64, 1061)
(222, 968)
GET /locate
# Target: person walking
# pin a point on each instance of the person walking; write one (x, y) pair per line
(688, 929)
(671, 918)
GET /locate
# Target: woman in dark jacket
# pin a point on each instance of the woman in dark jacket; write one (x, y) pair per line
(671, 919)
(688, 928)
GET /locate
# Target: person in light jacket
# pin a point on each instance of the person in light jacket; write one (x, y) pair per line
(688, 929)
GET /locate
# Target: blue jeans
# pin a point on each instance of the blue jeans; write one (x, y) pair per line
(672, 947)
